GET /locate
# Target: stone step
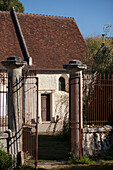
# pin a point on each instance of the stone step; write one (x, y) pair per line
(50, 127)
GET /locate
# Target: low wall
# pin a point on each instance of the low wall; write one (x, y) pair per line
(97, 140)
(3, 140)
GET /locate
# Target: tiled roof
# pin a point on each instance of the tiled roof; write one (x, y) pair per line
(51, 41)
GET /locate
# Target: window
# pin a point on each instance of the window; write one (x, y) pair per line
(61, 84)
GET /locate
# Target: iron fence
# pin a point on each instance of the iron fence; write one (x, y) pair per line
(29, 112)
(30, 117)
(97, 99)
(3, 102)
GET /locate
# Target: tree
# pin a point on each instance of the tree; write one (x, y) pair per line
(6, 5)
(102, 53)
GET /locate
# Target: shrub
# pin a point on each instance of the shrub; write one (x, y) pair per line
(5, 160)
(109, 155)
(83, 160)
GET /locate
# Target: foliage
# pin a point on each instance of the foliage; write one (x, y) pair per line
(103, 60)
(25, 167)
(109, 155)
(6, 5)
(5, 160)
(102, 53)
(83, 160)
(93, 44)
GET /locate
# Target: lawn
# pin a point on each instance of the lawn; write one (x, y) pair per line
(52, 147)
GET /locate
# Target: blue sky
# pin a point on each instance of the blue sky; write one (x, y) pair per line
(90, 15)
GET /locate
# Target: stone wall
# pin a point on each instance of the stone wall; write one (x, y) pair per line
(97, 140)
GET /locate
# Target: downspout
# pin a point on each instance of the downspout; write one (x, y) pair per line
(20, 36)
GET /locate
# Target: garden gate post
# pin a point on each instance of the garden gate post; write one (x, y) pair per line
(75, 67)
(14, 65)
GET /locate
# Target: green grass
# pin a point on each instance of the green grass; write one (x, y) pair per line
(52, 147)
(83, 160)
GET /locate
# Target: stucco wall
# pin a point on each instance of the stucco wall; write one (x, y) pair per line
(50, 81)
(49, 84)
(62, 104)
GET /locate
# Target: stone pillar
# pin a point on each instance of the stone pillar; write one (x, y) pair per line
(14, 65)
(74, 68)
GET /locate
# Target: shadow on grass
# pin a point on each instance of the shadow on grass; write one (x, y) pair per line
(71, 167)
(27, 167)
(52, 147)
(87, 167)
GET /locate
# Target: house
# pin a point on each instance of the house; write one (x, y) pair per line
(51, 41)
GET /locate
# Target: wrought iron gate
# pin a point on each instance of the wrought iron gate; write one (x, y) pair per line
(30, 118)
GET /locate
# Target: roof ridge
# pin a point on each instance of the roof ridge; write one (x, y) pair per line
(45, 15)
(20, 13)
(4, 12)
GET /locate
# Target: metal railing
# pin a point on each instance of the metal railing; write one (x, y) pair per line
(3, 102)
(29, 112)
(97, 99)
(29, 100)
(30, 117)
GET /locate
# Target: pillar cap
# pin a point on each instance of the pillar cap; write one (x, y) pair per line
(75, 65)
(13, 62)
(14, 58)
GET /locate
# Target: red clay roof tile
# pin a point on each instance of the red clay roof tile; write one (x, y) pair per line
(51, 41)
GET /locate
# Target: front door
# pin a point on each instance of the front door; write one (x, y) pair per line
(45, 107)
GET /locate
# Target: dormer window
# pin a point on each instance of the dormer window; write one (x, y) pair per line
(62, 84)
